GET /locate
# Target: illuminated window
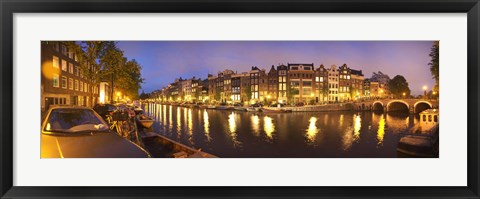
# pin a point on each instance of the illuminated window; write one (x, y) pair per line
(55, 81)
(70, 68)
(76, 71)
(64, 82)
(70, 83)
(64, 65)
(81, 86)
(76, 85)
(55, 62)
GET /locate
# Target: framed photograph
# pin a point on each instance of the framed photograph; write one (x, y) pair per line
(189, 99)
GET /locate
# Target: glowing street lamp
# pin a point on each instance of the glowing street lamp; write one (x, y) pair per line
(118, 96)
(403, 94)
(425, 91)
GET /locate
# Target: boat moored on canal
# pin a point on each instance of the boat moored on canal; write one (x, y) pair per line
(144, 121)
(253, 109)
(162, 147)
(274, 110)
(423, 140)
(224, 108)
(211, 107)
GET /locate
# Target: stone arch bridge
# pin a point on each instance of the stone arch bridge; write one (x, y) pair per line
(396, 105)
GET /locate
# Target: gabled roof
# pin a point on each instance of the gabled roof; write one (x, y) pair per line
(272, 70)
(356, 72)
(282, 67)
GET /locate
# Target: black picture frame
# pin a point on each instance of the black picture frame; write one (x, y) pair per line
(10, 7)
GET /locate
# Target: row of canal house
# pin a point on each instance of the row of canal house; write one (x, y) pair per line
(63, 81)
(294, 82)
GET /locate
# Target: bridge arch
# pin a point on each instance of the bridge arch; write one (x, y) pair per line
(377, 106)
(398, 105)
(421, 106)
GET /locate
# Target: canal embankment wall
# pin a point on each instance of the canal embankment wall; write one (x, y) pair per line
(323, 108)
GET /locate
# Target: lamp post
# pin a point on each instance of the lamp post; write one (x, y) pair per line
(425, 92)
(403, 94)
(118, 96)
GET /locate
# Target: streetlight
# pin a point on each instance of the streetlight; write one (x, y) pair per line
(118, 96)
(403, 94)
(425, 91)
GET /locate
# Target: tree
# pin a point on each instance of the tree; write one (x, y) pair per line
(87, 53)
(129, 78)
(104, 61)
(217, 94)
(399, 85)
(292, 92)
(144, 96)
(112, 61)
(434, 63)
(353, 92)
(248, 92)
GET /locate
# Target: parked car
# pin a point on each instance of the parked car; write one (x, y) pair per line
(238, 104)
(79, 132)
(277, 105)
(256, 105)
(300, 104)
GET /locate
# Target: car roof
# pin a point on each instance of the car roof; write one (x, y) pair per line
(68, 107)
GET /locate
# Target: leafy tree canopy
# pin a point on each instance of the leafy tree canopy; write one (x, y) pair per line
(399, 85)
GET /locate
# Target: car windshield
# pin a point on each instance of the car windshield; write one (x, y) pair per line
(73, 121)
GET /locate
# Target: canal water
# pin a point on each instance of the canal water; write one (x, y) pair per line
(235, 134)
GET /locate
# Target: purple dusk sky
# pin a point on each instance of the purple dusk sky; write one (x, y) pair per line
(163, 61)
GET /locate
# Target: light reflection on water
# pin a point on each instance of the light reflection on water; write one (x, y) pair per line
(206, 125)
(268, 127)
(232, 125)
(340, 122)
(170, 118)
(356, 128)
(255, 124)
(381, 131)
(179, 124)
(312, 129)
(246, 134)
(190, 122)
